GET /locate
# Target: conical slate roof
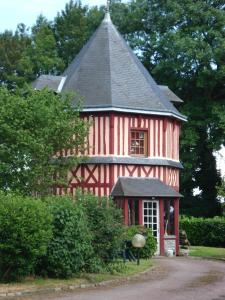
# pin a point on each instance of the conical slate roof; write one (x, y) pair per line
(109, 76)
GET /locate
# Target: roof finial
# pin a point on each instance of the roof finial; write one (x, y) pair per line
(107, 13)
(107, 6)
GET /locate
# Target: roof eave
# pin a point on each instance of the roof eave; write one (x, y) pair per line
(145, 188)
(137, 111)
(146, 196)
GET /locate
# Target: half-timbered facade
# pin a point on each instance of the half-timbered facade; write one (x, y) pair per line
(133, 141)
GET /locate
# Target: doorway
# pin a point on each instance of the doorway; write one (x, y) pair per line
(151, 218)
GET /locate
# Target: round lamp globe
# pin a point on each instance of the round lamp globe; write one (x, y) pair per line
(138, 241)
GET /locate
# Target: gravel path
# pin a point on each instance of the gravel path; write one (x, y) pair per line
(171, 279)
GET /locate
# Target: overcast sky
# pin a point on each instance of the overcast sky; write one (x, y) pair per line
(13, 12)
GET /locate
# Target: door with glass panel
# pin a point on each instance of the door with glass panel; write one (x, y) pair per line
(151, 218)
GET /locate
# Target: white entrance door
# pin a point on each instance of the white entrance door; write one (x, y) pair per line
(151, 218)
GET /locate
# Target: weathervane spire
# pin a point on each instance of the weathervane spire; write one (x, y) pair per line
(107, 13)
(107, 6)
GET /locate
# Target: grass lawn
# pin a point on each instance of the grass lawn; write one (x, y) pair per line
(29, 284)
(210, 252)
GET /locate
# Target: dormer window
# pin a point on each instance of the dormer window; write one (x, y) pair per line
(138, 143)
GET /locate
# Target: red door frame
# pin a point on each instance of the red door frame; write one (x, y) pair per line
(176, 223)
(140, 212)
(125, 211)
(161, 226)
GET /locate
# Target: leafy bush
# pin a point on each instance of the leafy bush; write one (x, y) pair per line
(204, 232)
(25, 230)
(106, 225)
(58, 237)
(70, 249)
(151, 245)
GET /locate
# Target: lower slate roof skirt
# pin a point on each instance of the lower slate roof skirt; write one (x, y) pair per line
(170, 94)
(132, 161)
(143, 187)
(133, 110)
(52, 82)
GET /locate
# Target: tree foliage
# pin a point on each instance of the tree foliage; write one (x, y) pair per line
(73, 26)
(27, 54)
(34, 127)
(41, 55)
(12, 47)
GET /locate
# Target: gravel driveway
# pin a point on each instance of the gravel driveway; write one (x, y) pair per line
(171, 279)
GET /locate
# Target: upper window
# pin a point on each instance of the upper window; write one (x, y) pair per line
(138, 143)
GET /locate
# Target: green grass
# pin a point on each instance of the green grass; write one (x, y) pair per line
(210, 252)
(129, 269)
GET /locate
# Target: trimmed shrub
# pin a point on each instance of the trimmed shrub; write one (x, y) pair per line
(58, 237)
(25, 230)
(70, 250)
(151, 245)
(106, 225)
(204, 232)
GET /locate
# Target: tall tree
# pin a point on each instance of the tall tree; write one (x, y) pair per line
(71, 30)
(73, 26)
(41, 56)
(182, 44)
(34, 128)
(26, 55)
(12, 46)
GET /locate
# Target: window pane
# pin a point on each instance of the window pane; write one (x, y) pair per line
(138, 143)
(132, 150)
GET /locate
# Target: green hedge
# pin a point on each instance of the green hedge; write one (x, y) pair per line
(70, 250)
(87, 235)
(60, 236)
(106, 226)
(204, 232)
(25, 231)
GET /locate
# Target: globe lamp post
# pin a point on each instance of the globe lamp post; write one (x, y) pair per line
(138, 241)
